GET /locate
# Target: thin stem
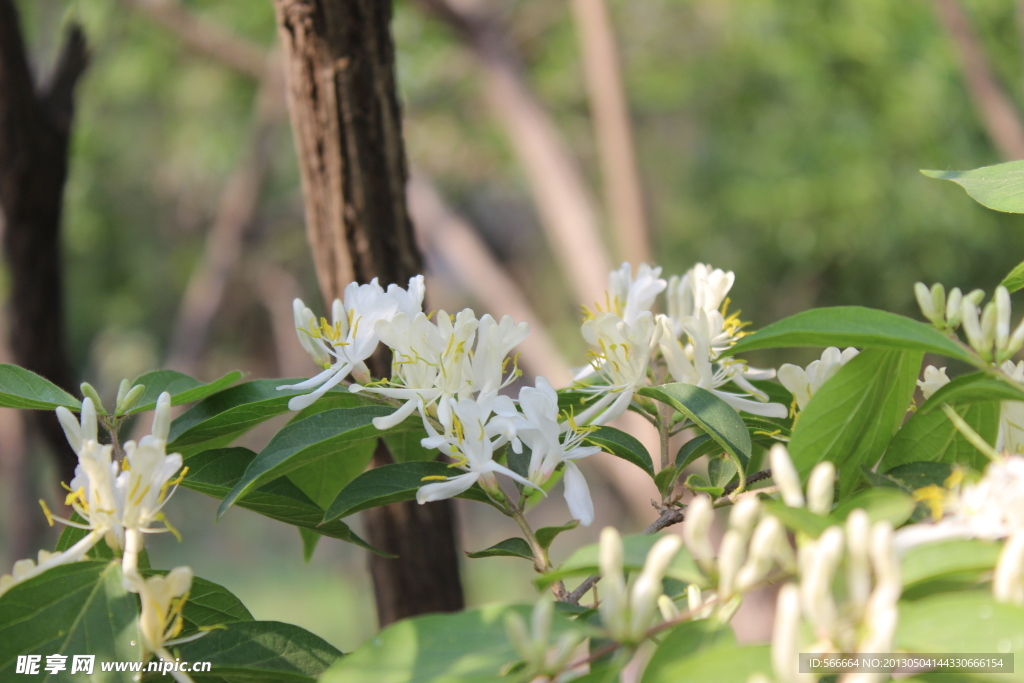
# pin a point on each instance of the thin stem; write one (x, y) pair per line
(541, 561)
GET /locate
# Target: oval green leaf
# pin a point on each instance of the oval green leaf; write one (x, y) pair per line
(182, 388)
(999, 187)
(622, 445)
(20, 388)
(510, 547)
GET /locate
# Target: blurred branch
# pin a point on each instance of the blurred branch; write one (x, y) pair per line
(997, 111)
(276, 289)
(223, 246)
(34, 132)
(205, 37)
(610, 111)
(559, 190)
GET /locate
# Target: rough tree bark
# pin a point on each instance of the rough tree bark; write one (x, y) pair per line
(342, 97)
(34, 130)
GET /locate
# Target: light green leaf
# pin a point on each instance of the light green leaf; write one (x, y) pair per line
(853, 326)
(20, 388)
(310, 540)
(798, 519)
(393, 484)
(465, 647)
(969, 621)
(546, 535)
(686, 640)
(182, 388)
(724, 664)
(851, 419)
(695, 482)
(583, 562)
(710, 413)
(307, 441)
(510, 547)
(73, 609)
(1014, 280)
(972, 388)
(238, 409)
(666, 479)
(259, 652)
(931, 436)
(937, 560)
(999, 187)
(881, 503)
(217, 472)
(623, 445)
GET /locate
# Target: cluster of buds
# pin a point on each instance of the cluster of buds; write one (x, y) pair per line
(863, 618)
(533, 643)
(628, 613)
(820, 485)
(945, 313)
(987, 330)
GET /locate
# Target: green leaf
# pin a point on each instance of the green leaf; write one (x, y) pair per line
(969, 621)
(208, 604)
(666, 479)
(405, 446)
(852, 417)
(182, 388)
(724, 664)
(20, 388)
(853, 326)
(798, 519)
(464, 647)
(683, 642)
(1014, 280)
(931, 436)
(583, 562)
(259, 652)
(310, 539)
(917, 475)
(710, 413)
(73, 609)
(972, 388)
(937, 560)
(510, 547)
(393, 484)
(881, 504)
(307, 441)
(721, 471)
(322, 480)
(700, 445)
(217, 472)
(999, 187)
(695, 482)
(238, 409)
(546, 535)
(623, 445)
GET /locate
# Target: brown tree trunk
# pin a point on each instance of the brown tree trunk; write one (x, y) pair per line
(342, 96)
(34, 129)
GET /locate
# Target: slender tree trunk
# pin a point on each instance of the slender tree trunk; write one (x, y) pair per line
(34, 130)
(342, 96)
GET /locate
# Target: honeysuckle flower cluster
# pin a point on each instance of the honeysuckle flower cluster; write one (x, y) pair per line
(987, 330)
(533, 643)
(803, 383)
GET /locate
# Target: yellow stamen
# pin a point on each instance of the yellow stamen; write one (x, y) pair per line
(46, 511)
(435, 477)
(934, 497)
(160, 517)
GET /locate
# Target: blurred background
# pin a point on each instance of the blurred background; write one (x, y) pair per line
(779, 140)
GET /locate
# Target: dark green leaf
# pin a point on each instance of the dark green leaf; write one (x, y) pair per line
(936, 560)
(851, 419)
(623, 445)
(917, 475)
(464, 647)
(405, 446)
(853, 326)
(310, 539)
(182, 388)
(208, 604)
(583, 562)
(73, 609)
(1014, 280)
(20, 388)
(696, 447)
(236, 410)
(999, 187)
(393, 484)
(259, 652)
(710, 413)
(322, 480)
(685, 641)
(972, 388)
(510, 547)
(217, 472)
(546, 535)
(931, 436)
(721, 471)
(666, 479)
(307, 441)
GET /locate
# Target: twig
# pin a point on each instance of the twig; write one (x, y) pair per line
(751, 479)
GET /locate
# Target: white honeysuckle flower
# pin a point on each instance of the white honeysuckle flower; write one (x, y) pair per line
(532, 643)
(160, 619)
(472, 448)
(785, 476)
(1008, 580)
(933, 379)
(804, 383)
(1011, 414)
(553, 443)
(629, 296)
(989, 334)
(342, 346)
(494, 341)
(620, 354)
(990, 508)
(24, 570)
(695, 364)
(700, 289)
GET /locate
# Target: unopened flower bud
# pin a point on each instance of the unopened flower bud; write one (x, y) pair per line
(122, 390)
(1008, 581)
(885, 563)
(785, 476)
(694, 598)
(89, 392)
(989, 318)
(953, 303)
(730, 559)
(696, 525)
(613, 588)
(858, 567)
(1002, 301)
(786, 634)
(816, 596)
(644, 596)
(972, 327)
(744, 514)
(668, 609)
(927, 303)
(821, 488)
